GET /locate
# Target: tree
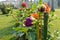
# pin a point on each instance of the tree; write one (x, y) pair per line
(52, 6)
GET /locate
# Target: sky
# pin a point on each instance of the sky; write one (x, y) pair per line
(2, 0)
(5, 0)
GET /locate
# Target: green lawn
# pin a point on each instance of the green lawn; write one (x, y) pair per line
(6, 31)
(56, 22)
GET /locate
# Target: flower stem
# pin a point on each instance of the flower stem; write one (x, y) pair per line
(37, 31)
(45, 26)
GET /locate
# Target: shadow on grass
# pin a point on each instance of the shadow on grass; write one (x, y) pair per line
(13, 38)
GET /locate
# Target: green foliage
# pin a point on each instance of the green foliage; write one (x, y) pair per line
(54, 35)
(5, 9)
(21, 15)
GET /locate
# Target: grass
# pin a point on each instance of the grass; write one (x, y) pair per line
(6, 32)
(56, 22)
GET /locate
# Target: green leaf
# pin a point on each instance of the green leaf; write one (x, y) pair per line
(33, 7)
(20, 29)
(31, 36)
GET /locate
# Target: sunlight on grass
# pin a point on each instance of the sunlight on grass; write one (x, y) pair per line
(5, 27)
(56, 22)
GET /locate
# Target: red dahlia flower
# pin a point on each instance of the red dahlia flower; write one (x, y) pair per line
(24, 4)
(47, 8)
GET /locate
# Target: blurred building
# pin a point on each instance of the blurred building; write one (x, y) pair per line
(11, 2)
(17, 3)
(55, 3)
